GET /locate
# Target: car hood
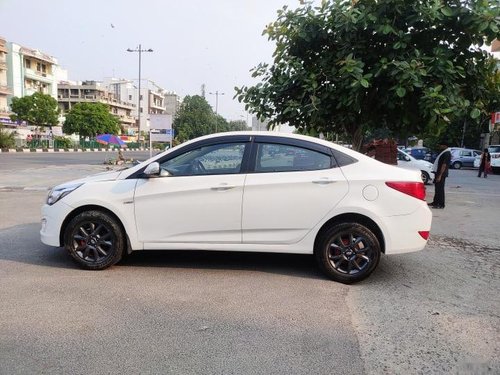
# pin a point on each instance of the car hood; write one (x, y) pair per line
(102, 176)
(423, 163)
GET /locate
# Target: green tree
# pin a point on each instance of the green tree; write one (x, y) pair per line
(6, 138)
(238, 125)
(349, 66)
(195, 118)
(91, 119)
(38, 109)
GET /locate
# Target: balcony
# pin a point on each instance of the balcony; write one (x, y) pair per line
(38, 76)
(4, 112)
(157, 106)
(117, 103)
(5, 90)
(126, 119)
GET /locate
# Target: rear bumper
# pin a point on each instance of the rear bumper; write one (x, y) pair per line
(404, 234)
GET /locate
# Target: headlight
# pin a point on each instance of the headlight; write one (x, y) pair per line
(61, 191)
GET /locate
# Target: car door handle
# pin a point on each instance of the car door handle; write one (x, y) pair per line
(222, 187)
(323, 181)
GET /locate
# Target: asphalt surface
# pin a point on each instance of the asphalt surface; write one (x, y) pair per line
(430, 312)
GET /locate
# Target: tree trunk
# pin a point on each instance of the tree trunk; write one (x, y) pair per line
(357, 138)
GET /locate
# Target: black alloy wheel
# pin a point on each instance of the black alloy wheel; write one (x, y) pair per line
(348, 252)
(94, 240)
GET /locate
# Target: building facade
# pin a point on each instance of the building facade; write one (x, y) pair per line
(69, 94)
(172, 103)
(30, 71)
(4, 87)
(152, 99)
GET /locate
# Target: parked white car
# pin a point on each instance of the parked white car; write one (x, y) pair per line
(409, 162)
(245, 191)
(494, 151)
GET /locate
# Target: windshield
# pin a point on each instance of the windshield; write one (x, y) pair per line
(495, 148)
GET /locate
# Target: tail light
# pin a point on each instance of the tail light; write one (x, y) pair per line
(413, 189)
(424, 234)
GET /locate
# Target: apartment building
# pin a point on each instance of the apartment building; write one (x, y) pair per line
(152, 98)
(30, 70)
(4, 88)
(69, 94)
(172, 103)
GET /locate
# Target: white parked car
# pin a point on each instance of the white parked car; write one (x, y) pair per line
(409, 162)
(245, 191)
(494, 151)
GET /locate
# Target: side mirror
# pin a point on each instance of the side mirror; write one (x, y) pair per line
(152, 169)
(407, 158)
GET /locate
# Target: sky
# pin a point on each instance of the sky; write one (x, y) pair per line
(195, 42)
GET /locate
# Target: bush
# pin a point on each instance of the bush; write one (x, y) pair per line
(62, 142)
(7, 138)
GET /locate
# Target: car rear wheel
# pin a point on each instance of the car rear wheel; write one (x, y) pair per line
(348, 252)
(457, 165)
(94, 240)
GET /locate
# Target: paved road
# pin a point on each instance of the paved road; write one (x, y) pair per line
(36, 159)
(435, 311)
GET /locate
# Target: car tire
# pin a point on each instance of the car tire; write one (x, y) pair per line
(347, 252)
(457, 165)
(94, 240)
(425, 177)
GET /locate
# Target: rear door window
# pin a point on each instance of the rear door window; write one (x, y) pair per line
(286, 158)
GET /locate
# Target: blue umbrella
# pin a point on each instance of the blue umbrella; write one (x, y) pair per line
(110, 139)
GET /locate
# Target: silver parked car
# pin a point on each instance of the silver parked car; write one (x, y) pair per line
(463, 157)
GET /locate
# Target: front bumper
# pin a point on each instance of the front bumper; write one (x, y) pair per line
(52, 221)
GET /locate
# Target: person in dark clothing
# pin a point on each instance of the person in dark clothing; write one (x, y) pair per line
(440, 173)
(485, 163)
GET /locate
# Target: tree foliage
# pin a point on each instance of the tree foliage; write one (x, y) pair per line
(91, 119)
(196, 118)
(349, 66)
(37, 109)
(7, 138)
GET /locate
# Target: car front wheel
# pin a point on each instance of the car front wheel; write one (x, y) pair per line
(457, 165)
(425, 177)
(94, 239)
(348, 252)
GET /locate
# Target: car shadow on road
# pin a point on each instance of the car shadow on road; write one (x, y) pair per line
(22, 244)
(298, 265)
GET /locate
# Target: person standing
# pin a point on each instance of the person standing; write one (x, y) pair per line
(485, 163)
(440, 173)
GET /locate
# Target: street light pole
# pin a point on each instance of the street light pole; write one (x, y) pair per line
(140, 50)
(217, 93)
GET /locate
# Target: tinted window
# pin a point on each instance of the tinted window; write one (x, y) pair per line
(402, 156)
(286, 158)
(213, 159)
(343, 159)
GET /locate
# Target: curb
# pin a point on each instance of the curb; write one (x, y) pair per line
(5, 150)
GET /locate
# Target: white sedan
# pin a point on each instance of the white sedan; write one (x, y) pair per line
(409, 162)
(245, 191)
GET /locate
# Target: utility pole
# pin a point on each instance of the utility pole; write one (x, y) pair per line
(217, 93)
(140, 50)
